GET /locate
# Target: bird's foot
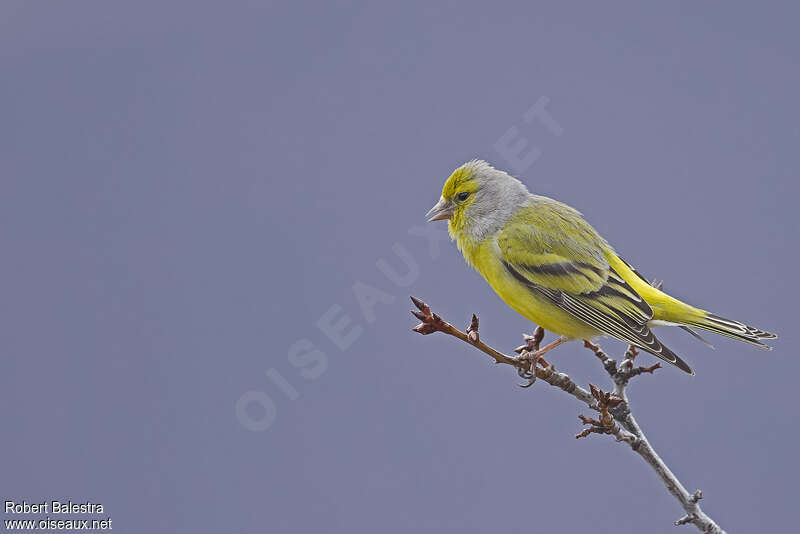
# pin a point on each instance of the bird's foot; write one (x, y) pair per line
(528, 362)
(530, 355)
(527, 373)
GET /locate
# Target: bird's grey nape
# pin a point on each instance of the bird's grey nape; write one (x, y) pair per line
(498, 197)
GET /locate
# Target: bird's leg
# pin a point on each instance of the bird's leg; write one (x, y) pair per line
(551, 346)
(535, 356)
(531, 345)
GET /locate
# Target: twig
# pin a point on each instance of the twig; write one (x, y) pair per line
(615, 418)
(606, 424)
(433, 323)
(609, 364)
(689, 501)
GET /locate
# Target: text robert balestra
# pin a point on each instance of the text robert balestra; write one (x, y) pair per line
(53, 507)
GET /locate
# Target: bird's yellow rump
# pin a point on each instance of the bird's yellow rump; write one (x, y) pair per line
(552, 267)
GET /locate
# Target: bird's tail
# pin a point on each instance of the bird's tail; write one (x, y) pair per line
(730, 328)
(669, 310)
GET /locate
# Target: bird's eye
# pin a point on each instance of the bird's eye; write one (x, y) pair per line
(462, 196)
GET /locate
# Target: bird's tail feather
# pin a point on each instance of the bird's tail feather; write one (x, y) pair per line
(734, 329)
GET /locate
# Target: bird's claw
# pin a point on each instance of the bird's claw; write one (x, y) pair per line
(528, 372)
(528, 375)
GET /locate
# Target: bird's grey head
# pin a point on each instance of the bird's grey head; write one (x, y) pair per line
(478, 199)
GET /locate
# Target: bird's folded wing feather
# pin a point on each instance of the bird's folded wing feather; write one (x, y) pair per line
(550, 248)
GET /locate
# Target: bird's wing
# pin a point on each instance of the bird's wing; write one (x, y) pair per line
(691, 331)
(552, 250)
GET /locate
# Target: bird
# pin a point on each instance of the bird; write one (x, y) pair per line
(552, 267)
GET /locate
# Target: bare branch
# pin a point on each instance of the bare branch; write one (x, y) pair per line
(615, 417)
(606, 424)
(622, 373)
(630, 355)
(433, 323)
(609, 364)
(639, 370)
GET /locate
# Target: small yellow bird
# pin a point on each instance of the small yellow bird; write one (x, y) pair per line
(546, 262)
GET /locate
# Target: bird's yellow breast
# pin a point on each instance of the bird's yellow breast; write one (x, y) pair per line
(485, 257)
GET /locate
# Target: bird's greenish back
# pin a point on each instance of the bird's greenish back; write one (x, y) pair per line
(555, 246)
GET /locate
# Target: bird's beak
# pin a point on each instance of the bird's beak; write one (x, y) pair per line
(441, 211)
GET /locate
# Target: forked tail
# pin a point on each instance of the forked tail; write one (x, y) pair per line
(672, 311)
(731, 328)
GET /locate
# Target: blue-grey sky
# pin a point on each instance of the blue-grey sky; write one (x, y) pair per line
(188, 190)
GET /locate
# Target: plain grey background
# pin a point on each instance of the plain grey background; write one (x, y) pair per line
(186, 188)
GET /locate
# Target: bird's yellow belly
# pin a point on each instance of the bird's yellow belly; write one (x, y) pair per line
(524, 301)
